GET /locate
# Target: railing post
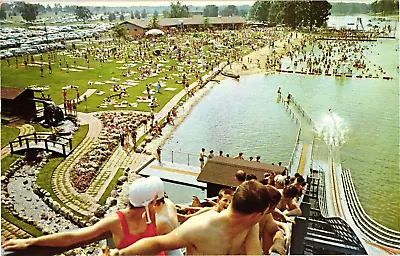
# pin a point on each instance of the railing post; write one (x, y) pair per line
(20, 141)
(70, 144)
(35, 136)
(45, 145)
(27, 143)
(299, 232)
(305, 209)
(11, 148)
(63, 147)
(172, 154)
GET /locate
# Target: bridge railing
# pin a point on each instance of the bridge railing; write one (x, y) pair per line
(302, 111)
(294, 151)
(25, 140)
(180, 157)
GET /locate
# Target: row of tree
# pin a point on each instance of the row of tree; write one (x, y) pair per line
(385, 6)
(350, 8)
(230, 10)
(292, 13)
(305, 13)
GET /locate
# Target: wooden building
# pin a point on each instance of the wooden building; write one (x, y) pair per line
(17, 102)
(219, 172)
(138, 27)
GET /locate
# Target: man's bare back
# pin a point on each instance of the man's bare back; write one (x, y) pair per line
(233, 231)
(215, 234)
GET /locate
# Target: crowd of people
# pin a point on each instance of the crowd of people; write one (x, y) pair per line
(242, 220)
(330, 57)
(203, 156)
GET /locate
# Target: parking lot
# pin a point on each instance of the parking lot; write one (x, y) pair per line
(42, 38)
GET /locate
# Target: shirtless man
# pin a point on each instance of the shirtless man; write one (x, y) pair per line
(240, 177)
(224, 199)
(287, 205)
(201, 158)
(274, 235)
(240, 156)
(233, 231)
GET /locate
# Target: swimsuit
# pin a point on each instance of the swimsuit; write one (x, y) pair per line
(176, 252)
(129, 239)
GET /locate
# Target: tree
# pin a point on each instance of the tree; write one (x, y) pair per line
(119, 32)
(314, 13)
(112, 17)
(121, 17)
(154, 23)
(3, 14)
(40, 8)
(155, 13)
(165, 13)
(385, 6)
(48, 8)
(144, 14)
(210, 11)
(243, 12)
(206, 23)
(83, 13)
(29, 12)
(230, 10)
(285, 12)
(57, 7)
(132, 15)
(137, 14)
(179, 11)
(260, 11)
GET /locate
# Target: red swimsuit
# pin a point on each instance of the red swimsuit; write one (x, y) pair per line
(129, 239)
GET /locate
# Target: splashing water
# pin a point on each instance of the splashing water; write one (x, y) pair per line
(332, 130)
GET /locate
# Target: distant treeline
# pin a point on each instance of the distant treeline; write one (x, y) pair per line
(349, 8)
(379, 6)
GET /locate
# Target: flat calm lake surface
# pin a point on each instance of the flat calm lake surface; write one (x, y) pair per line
(245, 117)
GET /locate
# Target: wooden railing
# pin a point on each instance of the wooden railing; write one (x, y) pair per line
(25, 140)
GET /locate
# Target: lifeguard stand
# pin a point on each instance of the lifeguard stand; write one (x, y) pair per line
(359, 22)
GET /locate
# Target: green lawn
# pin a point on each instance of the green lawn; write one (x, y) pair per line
(22, 77)
(7, 215)
(111, 186)
(44, 177)
(8, 134)
(7, 161)
(40, 128)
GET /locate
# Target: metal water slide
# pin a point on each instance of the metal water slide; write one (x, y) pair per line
(341, 199)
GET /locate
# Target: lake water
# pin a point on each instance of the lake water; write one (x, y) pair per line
(245, 117)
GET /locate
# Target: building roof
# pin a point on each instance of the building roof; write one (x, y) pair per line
(195, 20)
(10, 93)
(221, 170)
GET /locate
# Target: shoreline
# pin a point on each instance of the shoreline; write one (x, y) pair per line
(185, 109)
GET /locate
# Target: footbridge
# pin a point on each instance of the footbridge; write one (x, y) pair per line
(42, 141)
(334, 189)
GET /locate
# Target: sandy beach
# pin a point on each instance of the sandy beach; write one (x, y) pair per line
(261, 54)
(236, 67)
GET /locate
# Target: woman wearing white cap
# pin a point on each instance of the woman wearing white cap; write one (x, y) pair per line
(166, 215)
(126, 226)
